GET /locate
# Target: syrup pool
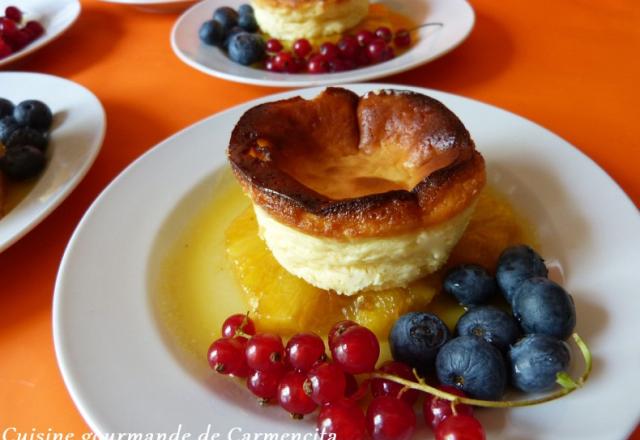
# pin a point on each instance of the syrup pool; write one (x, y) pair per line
(195, 288)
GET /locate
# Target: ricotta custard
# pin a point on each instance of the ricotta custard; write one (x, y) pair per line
(293, 19)
(358, 193)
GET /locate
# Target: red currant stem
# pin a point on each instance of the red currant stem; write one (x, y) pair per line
(426, 25)
(423, 386)
(453, 408)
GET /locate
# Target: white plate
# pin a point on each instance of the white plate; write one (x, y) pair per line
(76, 137)
(456, 15)
(124, 377)
(155, 5)
(55, 15)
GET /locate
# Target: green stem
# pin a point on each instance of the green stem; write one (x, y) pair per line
(421, 385)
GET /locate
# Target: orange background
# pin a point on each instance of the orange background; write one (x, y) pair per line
(570, 65)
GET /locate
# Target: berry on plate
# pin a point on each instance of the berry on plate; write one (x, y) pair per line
(238, 323)
(33, 113)
(356, 350)
(6, 108)
(227, 17)
(383, 387)
(304, 350)
(226, 356)
(265, 352)
(245, 48)
(460, 427)
(535, 362)
(542, 306)
(515, 265)
(389, 418)
(435, 410)
(27, 136)
(264, 385)
(211, 33)
(343, 418)
(474, 366)
(491, 324)
(326, 383)
(22, 162)
(416, 338)
(470, 284)
(292, 396)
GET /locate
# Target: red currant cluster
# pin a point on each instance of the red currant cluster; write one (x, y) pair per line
(351, 52)
(13, 36)
(301, 378)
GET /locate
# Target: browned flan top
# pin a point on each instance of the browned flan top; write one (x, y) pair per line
(344, 166)
(295, 4)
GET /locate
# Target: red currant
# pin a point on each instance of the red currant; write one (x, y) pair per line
(34, 28)
(235, 323)
(8, 28)
(351, 386)
(5, 49)
(365, 37)
(356, 350)
(389, 418)
(226, 356)
(270, 65)
(292, 397)
(13, 13)
(265, 352)
(326, 383)
(348, 47)
(344, 418)
(460, 427)
(381, 387)
(402, 38)
(340, 65)
(284, 61)
(302, 47)
(435, 410)
(318, 64)
(337, 330)
(384, 33)
(375, 49)
(388, 53)
(304, 350)
(264, 385)
(274, 46)
(329, 51)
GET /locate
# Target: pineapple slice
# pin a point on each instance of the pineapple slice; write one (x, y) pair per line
(285, 304)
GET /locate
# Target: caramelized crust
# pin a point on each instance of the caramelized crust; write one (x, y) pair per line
(342, 166)
(295, 4)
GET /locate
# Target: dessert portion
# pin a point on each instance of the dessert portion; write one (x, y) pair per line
(354, 193)
(293, 19)
(376, 38)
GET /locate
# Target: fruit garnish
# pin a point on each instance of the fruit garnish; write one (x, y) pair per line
(381, 387)
(495, 326)
(389, 418)
(515, 265)
(326, 383)
(416, 338)
(536, 362)
(274, 46)
(226, 356)
(567, 385)
(264, 385)
(238, 325)
(470, 284)
(356, 350)
(292, 396)
(304, 350)
(460, 427)
(265, 352)
(343, 418)
(435, 410)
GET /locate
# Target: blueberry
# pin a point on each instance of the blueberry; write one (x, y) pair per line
(245, 48)
(470, 284)
(245, 9)
(22, 162)
(27, 136)
(248, 22)
(516, 264)
(542, 306)
(34, 114)
(474, 366)
(8, 125)
(211, 33)
(416, 338)
(6, 108)
(535, 362)
(227, 17)
(491, 324)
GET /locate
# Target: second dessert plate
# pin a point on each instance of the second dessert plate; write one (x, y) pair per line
(123, 372)
(457, 18)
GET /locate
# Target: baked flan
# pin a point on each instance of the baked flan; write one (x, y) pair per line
(358, 193)
(293, 19)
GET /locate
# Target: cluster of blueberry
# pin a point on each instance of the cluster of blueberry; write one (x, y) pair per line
(24, 137)
(13, 36)
(492, 346)
(235, 32)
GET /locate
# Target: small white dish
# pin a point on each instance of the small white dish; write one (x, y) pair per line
(76, 137)
(123, 374)
(159, 6)
(457, 18)
(56, 16)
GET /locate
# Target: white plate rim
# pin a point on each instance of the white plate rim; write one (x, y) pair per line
(74, 180)
(72, 386)
(353, 76)
(45, 39)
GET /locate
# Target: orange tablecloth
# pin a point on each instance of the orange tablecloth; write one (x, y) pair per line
(570, 66)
